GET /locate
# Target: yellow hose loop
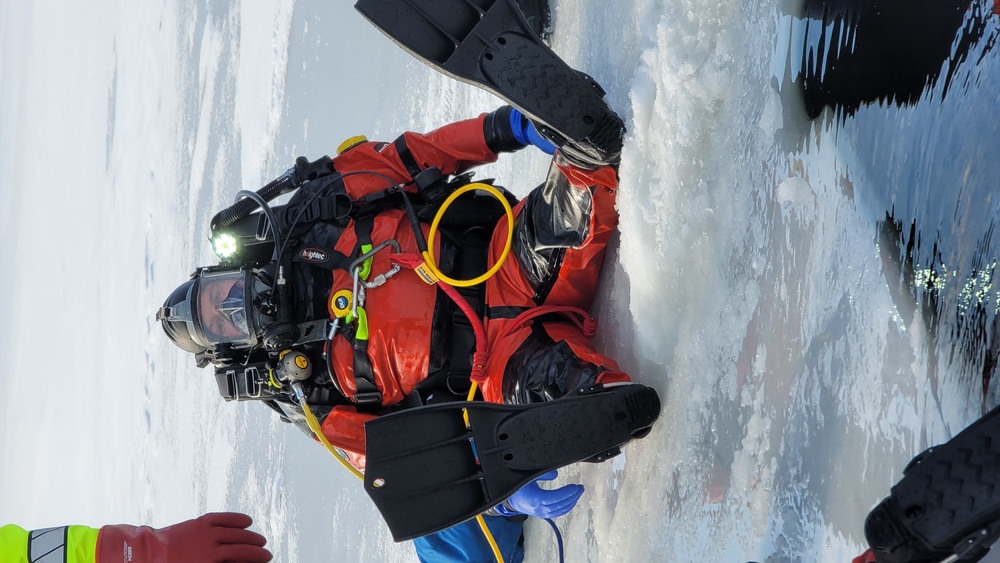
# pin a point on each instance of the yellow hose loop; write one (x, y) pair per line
(315, 427)
(429, 254)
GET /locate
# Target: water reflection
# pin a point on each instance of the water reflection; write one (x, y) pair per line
(907, 89)
(965, 299)
(858, 52)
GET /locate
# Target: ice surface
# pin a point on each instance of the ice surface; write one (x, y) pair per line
(748, 284)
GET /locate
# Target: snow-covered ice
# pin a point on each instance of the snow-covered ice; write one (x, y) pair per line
(753, 283)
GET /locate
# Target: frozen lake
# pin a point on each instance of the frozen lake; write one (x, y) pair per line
(811, 296)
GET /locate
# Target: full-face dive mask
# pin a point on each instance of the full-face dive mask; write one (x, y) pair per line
(218, 308)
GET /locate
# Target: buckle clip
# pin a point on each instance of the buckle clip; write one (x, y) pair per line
(369, 398)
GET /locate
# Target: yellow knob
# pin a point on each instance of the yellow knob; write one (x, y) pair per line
(340, 303)
(350, 143)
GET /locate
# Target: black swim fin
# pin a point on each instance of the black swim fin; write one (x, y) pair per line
(489, 43)
(427, 471)
(947, 503)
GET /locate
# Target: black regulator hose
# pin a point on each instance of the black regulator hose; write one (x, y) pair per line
(303, 171)
(282, 333)
(230, 215)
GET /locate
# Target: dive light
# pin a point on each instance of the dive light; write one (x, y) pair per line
(225, 245)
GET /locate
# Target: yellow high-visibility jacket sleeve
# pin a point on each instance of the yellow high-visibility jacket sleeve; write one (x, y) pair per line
(72, 544)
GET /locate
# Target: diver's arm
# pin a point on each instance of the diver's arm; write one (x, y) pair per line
(462, 145)
(452, 149)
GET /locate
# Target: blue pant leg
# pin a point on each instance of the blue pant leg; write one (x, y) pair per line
(465, 542)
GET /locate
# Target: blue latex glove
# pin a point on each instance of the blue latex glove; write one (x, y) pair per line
(526, 134)
(542, 503)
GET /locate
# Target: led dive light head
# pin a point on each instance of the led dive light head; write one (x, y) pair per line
(225, 245)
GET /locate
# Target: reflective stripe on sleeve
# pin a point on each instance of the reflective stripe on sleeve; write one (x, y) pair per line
(47, 545)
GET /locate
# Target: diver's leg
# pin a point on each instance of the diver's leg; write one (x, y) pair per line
(543, 361)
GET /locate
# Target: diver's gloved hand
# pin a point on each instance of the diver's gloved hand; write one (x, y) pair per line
(542, 503)
(525, 132)
(212, 538)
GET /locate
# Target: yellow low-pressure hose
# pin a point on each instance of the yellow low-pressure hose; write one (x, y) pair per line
(318, 431)
(489, 538)
(479, 517)
(432, 266)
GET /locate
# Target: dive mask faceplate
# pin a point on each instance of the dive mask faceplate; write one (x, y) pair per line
(221, 307)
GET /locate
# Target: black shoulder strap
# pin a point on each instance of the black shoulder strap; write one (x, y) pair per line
(329, 259)
(406, 157)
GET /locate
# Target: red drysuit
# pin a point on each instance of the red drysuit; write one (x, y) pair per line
(561, 231)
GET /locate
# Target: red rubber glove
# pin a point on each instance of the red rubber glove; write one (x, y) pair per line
(866, 557)
(217, 537)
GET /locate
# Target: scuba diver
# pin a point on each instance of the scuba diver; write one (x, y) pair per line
(314, 307)
(390, 289)
(211, 538)
(336, 310)
(366, 337)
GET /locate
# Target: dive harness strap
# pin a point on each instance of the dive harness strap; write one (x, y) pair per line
(406, 157)
(366, 392)
(432, 187)
(453, 375)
